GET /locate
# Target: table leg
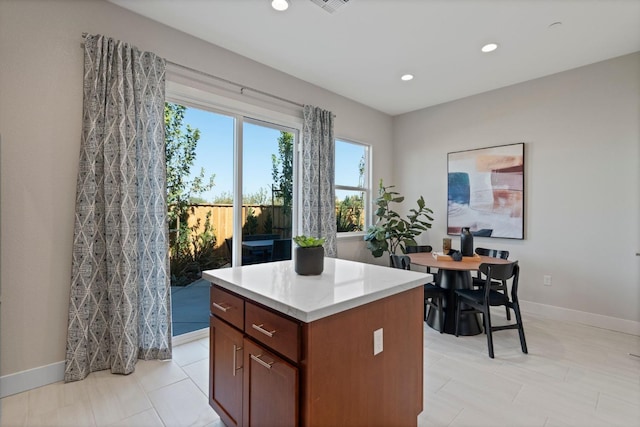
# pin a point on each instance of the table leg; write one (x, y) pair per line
(469, 324)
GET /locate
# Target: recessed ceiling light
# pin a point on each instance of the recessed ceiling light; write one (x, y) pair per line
(406, 77)
(280, 5)
(489, 47)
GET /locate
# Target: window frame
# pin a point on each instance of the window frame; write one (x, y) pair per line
(190, 95)
(366, 190)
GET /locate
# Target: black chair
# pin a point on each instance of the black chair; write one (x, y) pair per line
(481, 300)
(247, 256)
(433, 295)
(479, 281)
(422, 248)
(281, 250)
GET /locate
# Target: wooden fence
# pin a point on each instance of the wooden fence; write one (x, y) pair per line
(222, 220)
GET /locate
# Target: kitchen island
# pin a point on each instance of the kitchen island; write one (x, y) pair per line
(339, 349)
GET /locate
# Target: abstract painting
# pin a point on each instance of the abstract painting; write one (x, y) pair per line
(486, 191)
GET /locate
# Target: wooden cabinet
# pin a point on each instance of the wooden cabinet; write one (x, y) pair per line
(270, 388)
(226, 373)
(249, 384)
(268, 369)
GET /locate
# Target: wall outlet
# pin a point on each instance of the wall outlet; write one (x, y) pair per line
(377, 341)
(547, 280)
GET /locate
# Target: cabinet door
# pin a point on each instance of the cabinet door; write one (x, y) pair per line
(270, 388)
(225, 372)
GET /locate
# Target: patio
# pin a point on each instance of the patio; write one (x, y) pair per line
(190, 307)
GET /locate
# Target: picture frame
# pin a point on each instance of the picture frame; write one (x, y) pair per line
(485, 191)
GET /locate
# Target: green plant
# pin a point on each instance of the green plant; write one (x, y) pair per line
(198, 253)
(282, 171)
(308, 241)
(251, 224)
(349, 214)
(391, 230)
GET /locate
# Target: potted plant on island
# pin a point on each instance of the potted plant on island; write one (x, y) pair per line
(309, 255)
(391, 231)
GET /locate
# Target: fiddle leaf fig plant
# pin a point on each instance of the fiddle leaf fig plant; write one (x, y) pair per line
(308, 241)
(391, 231)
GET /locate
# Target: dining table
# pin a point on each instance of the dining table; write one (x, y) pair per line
(454, 275)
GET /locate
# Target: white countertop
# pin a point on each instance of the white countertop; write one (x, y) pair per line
(342, 285)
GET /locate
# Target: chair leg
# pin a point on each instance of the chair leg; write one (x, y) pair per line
(441, 312)
(523, 341)
(506, 293)
(457, 314)
(487, 327)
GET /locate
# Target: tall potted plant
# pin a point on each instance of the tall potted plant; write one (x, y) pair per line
(391, 231)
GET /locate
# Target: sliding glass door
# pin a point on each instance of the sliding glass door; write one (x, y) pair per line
(230, 199)
(267, 191)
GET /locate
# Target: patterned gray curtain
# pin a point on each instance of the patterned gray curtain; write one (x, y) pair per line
(119, 308)
(318, 183)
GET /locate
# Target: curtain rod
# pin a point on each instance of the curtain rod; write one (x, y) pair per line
(241, 86)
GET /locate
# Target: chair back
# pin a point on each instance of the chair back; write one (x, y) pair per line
(228, 242)
(502, 273)
(493, 253)
(400, 261)
(417, 248)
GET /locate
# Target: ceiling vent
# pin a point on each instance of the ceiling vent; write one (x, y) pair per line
(330, 6)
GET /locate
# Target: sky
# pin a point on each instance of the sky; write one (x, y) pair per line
(215, 154)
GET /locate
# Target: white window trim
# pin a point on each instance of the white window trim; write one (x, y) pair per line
(191, 96)
(368, 220)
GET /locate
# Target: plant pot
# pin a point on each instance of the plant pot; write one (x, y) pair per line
(309, 261)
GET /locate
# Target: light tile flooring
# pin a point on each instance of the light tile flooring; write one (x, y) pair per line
(574, 375)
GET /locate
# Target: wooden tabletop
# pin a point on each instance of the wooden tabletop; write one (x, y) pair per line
(428, 260)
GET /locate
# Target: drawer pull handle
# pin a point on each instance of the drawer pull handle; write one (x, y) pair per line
(262, 362)
(220, 307)
(235, 351)
(259, 328)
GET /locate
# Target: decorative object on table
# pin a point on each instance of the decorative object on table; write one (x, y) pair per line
(391, 231)
(439, 256)
(486, 191)
(466, 242)
(446, 245)
(309, 259)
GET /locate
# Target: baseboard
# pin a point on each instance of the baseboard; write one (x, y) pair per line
(43, 375)
(190, 336)
(596, 320)
(31, 378)
(48, 374)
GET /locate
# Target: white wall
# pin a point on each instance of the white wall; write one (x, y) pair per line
(582, 135)
(41, 68)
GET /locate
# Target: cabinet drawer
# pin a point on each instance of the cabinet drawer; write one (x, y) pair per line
(227, 306)
(273, 330)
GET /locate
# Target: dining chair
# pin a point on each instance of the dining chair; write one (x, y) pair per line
(422, 248)
(479, 281)
(433, 295)
(481, 301)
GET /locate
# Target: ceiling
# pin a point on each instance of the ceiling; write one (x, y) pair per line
(361, 50)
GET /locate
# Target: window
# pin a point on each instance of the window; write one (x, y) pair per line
(352, 186)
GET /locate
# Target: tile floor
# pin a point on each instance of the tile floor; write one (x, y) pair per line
(574, 375)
